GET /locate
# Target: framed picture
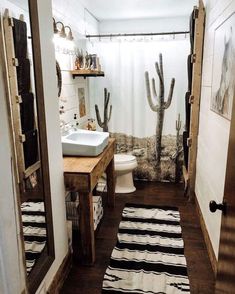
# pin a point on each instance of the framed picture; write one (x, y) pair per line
(82, 102)
(223, 77)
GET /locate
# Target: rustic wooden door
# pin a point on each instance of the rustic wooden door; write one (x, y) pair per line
(225, 282)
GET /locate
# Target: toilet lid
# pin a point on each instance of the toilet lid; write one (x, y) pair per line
(123, 158)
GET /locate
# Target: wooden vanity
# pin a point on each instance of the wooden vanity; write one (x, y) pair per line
(81, 174)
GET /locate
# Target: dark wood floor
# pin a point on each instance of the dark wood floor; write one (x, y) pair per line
(88, 280)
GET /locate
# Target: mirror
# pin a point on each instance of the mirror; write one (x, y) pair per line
(28, 125)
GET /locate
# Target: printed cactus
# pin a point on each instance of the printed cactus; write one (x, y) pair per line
(179, 149)
(161, 105)
(104, 124)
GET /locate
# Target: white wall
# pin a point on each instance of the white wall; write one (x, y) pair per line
(11, 265)
(144, 25)
(74, 14)
(213, 129)
(54, 139)
(11, 259)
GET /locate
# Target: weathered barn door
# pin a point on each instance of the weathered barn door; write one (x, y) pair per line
(225, 282)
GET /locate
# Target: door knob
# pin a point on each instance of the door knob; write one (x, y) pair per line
(221, 206)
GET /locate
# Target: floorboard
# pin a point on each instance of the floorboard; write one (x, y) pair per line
(88, 280)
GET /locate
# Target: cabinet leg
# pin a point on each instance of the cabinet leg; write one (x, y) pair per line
(86, 223)
(111, 183)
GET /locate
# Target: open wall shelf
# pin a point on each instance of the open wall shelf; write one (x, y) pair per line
(86, 73)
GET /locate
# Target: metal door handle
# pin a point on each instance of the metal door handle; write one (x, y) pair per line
(221, 206)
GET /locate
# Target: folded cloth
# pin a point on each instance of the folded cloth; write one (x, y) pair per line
(20, 38)
(23, 76)
(192, 30)
(30, 147)
(27, 112)
(190, 73)
(97, 221)
(185, 147)
(96, 210)
(187, 111)
(97, 199)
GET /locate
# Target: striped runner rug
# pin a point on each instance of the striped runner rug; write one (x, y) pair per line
(34, 230)
(149, 255)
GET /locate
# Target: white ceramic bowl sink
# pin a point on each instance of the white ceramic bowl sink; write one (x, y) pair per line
(84, 143)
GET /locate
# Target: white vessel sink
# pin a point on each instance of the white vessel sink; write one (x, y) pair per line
(84, 143)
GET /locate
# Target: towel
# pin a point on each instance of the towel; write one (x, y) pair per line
(190, 72)
(23, 76)
(185, 147)
(27, 112)
(192, 28)
(187, 111)
(30, 148)
(20, 38)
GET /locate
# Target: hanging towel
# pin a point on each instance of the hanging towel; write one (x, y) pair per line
(30, 148)
(20, 38)
(190, 73)
(23, 76)
(191, 30)
(185, 146)
(187, 111)
(27, 112)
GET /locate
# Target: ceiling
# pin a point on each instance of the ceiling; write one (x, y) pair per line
(129, 9)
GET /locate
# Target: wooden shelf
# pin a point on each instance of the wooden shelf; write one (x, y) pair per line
(86, 73)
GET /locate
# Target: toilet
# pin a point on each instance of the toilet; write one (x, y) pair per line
(124, 164)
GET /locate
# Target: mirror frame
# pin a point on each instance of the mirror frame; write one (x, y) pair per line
(33, 281)
(45, 261)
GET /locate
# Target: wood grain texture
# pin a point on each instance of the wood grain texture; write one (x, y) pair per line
(42, 267)
(75, 182)
(87, 73)
(111, 181)
(81, 174)
(13, 104)
(196, 93)
(15, 174)
(61, 275)
(86, 226)
(88, 280)
(85, 164)
(207, 240)
(226, 265)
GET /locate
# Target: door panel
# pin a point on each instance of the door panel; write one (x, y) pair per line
(226, 265)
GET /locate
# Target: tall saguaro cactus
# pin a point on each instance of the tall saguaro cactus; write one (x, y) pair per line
(161, 105)
(107, 117)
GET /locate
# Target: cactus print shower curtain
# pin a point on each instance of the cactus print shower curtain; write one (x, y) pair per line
(133, 122)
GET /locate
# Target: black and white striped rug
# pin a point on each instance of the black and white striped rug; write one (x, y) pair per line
(34, 230)
(149, 255)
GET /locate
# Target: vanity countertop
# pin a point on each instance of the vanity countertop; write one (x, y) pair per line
(81, 164)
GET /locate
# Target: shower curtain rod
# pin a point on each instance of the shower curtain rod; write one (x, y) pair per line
(137, 34)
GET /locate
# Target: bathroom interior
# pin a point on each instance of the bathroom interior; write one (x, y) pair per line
(117, 125)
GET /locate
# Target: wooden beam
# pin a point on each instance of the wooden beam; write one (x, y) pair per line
(196, 93)
(14, 106)
(61, 274)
